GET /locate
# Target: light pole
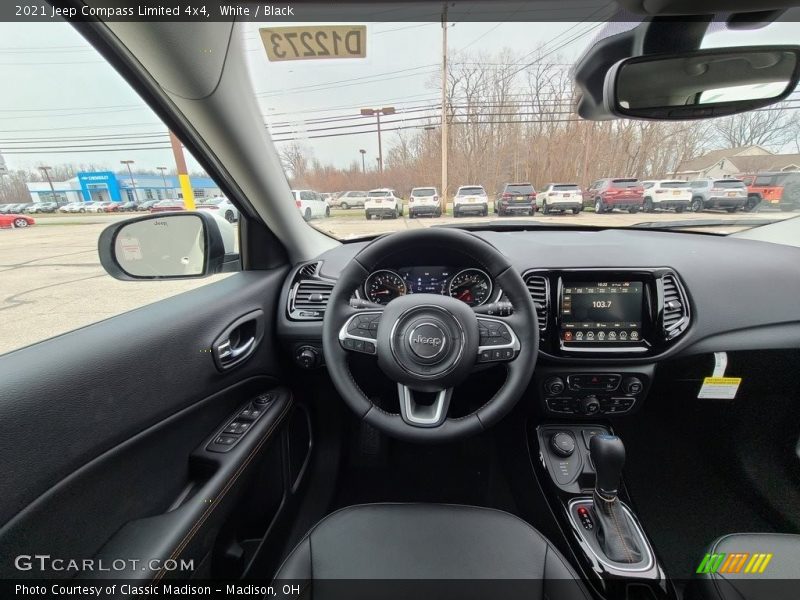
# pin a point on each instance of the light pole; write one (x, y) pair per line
(128, 164)
(164, 179)
(46, 171)
(363, 163)
(368, 112)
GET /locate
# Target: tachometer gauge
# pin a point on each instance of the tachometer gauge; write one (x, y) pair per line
(384, 286)
(471, 286)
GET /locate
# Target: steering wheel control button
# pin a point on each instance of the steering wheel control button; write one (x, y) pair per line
(493, 333)
(427, 340)
(563, 444)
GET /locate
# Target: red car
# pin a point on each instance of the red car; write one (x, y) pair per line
(14, 220)
(623, 193)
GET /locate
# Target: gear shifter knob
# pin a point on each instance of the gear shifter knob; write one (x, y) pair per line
(608, 456)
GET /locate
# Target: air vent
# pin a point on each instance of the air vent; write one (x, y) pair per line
(309, 295)
(676, 307)
(308, 271)
(539, 289)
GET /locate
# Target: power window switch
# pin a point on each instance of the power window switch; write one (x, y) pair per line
(237, 427)
(225, 440)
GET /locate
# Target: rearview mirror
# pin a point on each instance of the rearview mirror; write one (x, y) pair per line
(702, 84)
(168, 246)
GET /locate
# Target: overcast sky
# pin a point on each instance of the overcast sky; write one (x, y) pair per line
(56, 89)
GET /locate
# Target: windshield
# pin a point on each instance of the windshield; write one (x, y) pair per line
(510, 127)
(471, 191)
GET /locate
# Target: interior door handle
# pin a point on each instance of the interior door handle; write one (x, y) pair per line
(228, 353)
(239, 340)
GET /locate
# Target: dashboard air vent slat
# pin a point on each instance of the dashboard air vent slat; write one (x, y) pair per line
(309, 270)
(539, 289)
(676, 307)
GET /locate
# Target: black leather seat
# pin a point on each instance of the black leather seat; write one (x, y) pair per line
(779, 580)
(429, 550)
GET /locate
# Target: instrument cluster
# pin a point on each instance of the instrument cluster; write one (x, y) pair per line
(472, 286)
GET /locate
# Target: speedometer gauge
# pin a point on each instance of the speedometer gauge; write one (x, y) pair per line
(384, 286)
(471, 286)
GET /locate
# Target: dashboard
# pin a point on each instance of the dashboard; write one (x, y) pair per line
(612, 304)
(471, 285)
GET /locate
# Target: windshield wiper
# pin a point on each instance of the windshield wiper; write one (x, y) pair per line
(703, 223)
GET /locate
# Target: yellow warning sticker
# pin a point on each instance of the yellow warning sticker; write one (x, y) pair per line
(722, 388)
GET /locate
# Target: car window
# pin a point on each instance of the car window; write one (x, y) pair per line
(109, 150)
(519, 189)
(728, 183)
(567, 187)
(423, 192)
(378, 194)
(624, 183)
(471, 191)
(306, 196)
(674, 184)
(764, 180)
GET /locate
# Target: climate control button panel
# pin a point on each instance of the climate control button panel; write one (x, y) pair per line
(588, 393)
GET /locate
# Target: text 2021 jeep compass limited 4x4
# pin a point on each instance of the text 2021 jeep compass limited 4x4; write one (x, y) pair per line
(593, 405)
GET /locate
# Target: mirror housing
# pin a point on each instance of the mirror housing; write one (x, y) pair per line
(177, 245)
(702, 84)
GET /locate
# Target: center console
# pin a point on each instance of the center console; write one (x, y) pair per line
(579, 468)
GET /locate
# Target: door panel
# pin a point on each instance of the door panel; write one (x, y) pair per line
(99, 424)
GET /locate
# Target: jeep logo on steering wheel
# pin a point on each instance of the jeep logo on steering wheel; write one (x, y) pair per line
(427, 340)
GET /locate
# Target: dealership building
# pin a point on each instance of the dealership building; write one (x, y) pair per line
(103, 186)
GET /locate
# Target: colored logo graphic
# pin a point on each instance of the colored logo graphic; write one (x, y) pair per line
(734, 562)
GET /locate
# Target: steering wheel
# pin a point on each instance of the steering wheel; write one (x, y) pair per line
(427, 343)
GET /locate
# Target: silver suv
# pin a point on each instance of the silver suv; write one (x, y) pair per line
(730, 194)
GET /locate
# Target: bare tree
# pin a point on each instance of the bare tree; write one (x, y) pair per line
(774, 127)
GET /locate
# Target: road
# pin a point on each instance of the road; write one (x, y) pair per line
(52, 281)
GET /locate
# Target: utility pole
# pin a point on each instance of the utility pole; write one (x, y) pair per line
(368, 112)
(444, 109)
(363, 163)
(46, 171)
(164, 179)
(128, 164)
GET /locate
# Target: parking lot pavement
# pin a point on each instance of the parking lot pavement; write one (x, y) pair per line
(51, 280)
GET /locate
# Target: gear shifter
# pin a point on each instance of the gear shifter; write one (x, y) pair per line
(616, 533)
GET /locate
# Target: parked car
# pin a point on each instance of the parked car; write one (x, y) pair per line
(624, 193)
(560, 197)
(72, 207)
(470, 199)
(110, 206)
(128, 206)
(95, 207)
(168, 205)
(223, 207)
(730, 194)
(16, 220)
(310, 204)
(666, 194)
(146, 205)
(424, 201)
(383, 202)
(11, 208)
(41, 207)
(350, 199)
(767, 187)
(515, 197)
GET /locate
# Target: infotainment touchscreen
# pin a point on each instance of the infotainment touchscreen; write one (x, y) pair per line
(602, 312)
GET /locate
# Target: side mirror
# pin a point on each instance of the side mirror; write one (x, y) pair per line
(180, 245)
(702, 84)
